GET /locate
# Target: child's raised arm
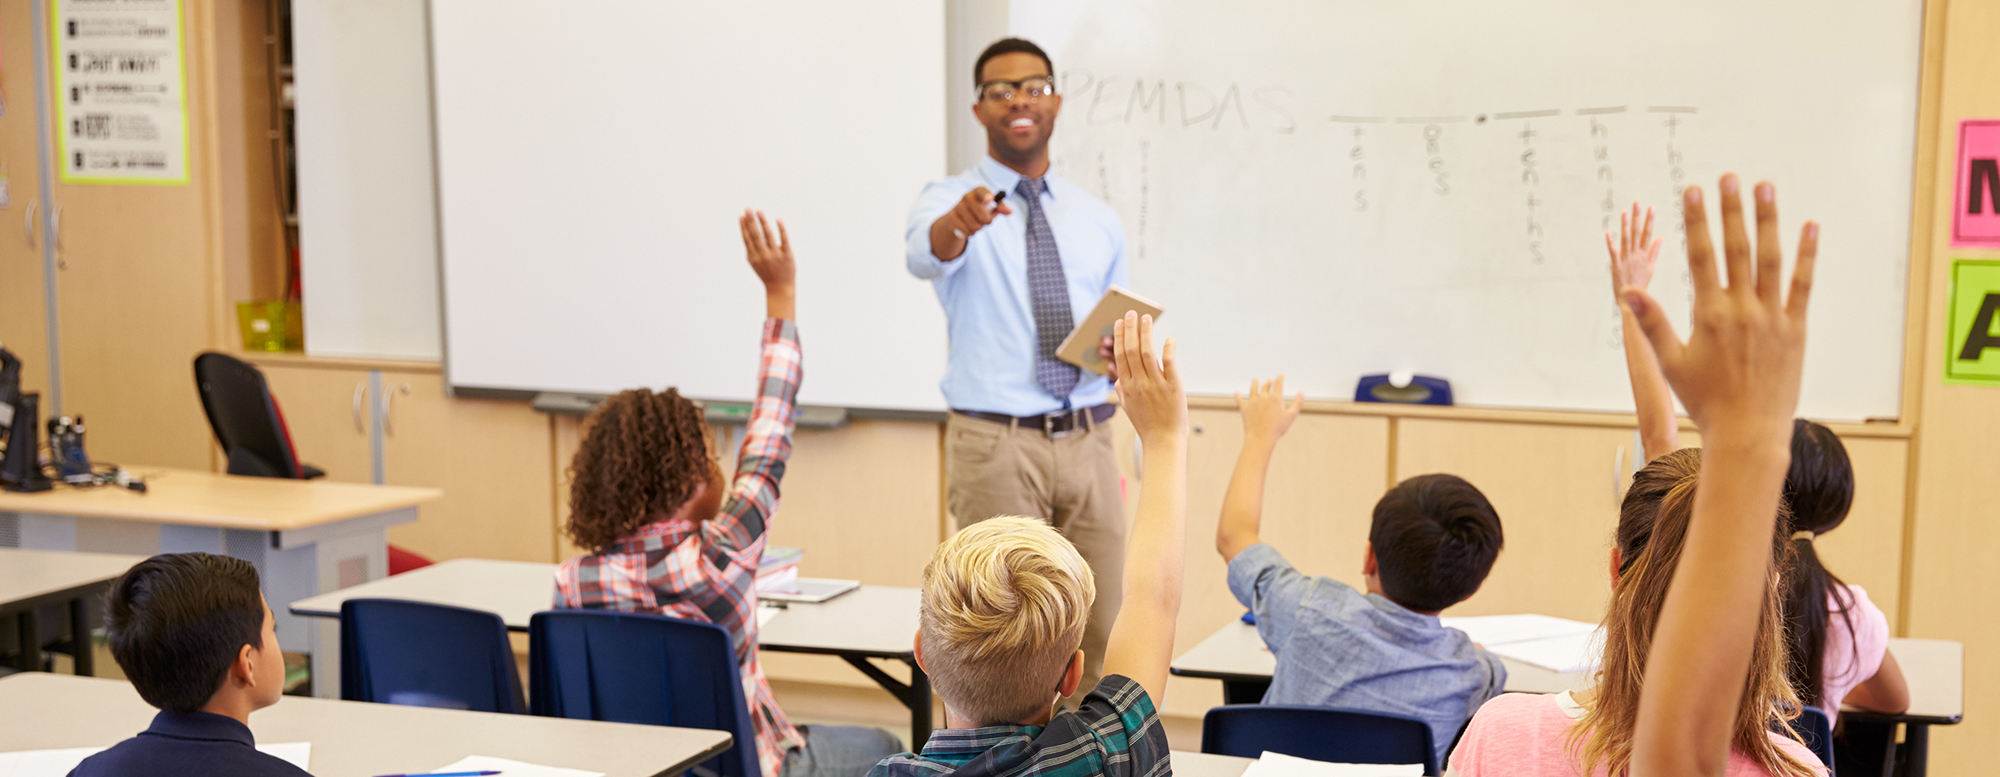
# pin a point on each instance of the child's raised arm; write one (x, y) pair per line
(1266, 417)
(1738, 375)
(1633, 257)
(1149, 390)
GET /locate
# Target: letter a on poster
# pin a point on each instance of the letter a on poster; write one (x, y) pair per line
(121, 98)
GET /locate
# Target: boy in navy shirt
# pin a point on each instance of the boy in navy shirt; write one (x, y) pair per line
(195, 636)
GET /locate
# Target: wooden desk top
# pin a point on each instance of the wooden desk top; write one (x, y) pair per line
(355, 739)
(1191, 764)
(195, 498)
(27, 576)
(1935, 669)
(871, 620)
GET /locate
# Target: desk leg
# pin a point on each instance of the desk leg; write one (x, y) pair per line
(1916, 748)
(1244, 691)
(920, 707)
(916, 694)
(30, 657)
(80, 645)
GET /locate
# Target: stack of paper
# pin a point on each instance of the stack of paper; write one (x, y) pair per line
(1281, 765)
(779, 570)
(510, 768)
(1555, 644)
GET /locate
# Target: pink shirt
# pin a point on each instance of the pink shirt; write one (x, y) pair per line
(1852, 655)
(1523, 735)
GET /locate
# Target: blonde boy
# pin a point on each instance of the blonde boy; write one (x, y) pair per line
(1004, 607)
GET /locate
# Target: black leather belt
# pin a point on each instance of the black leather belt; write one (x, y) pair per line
(1052, 424)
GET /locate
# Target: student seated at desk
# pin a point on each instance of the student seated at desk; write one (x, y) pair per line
(1836, 639)
(194, 635)
(1432, 541)
(1004, 606)
(1693, 671)
(648, 501)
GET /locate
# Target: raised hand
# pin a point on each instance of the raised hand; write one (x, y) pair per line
(1149, 388)
(771, 258)
(1739, 370)
(1634, 252)
(1266, 414)
(973, 212)
(1738, 374)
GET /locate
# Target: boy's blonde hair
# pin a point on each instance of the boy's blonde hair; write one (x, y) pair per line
(1004, 603)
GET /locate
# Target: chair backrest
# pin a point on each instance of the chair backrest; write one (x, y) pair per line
(1814, 730)
(427, 655)
(245, 417)
(1319, 733)
(636, 668)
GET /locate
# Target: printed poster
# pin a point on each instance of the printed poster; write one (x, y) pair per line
(121, 96)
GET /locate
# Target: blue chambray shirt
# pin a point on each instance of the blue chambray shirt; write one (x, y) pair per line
(1340, 647)
(984, 291)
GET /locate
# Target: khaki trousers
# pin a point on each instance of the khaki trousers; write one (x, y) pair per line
(994, 469)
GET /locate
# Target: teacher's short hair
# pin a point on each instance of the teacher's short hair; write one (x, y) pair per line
(178, 620)
(1009, 46)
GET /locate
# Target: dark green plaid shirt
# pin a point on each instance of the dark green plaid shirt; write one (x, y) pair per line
(1115, 732)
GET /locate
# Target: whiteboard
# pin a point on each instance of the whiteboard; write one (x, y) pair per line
(593, 157)
(1333, 188)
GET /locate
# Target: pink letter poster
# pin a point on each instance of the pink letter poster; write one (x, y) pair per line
(1975, 215)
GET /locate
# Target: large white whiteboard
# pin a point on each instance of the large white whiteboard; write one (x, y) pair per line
(593, 157)
(1225, 134)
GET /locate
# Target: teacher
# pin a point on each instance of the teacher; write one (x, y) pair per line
(1017, 256)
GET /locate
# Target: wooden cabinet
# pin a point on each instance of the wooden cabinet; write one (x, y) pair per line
(23, 313)
(1557, 490)
(491, 457)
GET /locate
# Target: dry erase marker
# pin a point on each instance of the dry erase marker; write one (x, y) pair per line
(1000, 199)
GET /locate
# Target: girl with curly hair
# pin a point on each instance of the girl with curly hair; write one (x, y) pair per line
(669, 534)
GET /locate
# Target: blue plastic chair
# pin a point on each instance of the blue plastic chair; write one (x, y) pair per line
(427, 655)
(1319, 733)
(636, 668)
(1812, 729)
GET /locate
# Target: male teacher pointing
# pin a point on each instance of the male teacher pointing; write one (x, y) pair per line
(1018, 255)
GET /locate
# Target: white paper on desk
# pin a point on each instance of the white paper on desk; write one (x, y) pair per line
(511, 768)
(1492, 630)
(58, 763)
(765, 614)
(1571, 653)
(1281, 765)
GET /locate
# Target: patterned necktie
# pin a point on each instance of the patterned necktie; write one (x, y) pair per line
(1048, 296)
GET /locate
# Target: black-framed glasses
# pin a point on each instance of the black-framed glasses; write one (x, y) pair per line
(1003, 91)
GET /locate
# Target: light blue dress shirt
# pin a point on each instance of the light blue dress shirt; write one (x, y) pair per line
(984, 291)
(1338, 647)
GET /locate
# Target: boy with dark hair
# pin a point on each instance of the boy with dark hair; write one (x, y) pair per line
(1432, 541)
(193, 633)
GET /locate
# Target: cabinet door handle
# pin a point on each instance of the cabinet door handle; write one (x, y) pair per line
(388, 403)
(28, 221)
(360, 390)
(1617, 475)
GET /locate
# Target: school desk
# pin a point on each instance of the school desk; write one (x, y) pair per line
(1191, 764)
(33, 579)
(304, 536)
(871, 622)
(357, 739)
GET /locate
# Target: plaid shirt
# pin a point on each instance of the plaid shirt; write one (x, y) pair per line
(707, 571)
(1116, 732)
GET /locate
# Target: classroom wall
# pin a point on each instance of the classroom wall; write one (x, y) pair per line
(1950, 563)
(866, 500)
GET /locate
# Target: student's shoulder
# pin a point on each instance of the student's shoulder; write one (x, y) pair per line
(1510, 708)
(159, 755)
(1504, 730)
(1740, 765)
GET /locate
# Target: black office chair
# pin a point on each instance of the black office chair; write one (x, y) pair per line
(246, 419)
